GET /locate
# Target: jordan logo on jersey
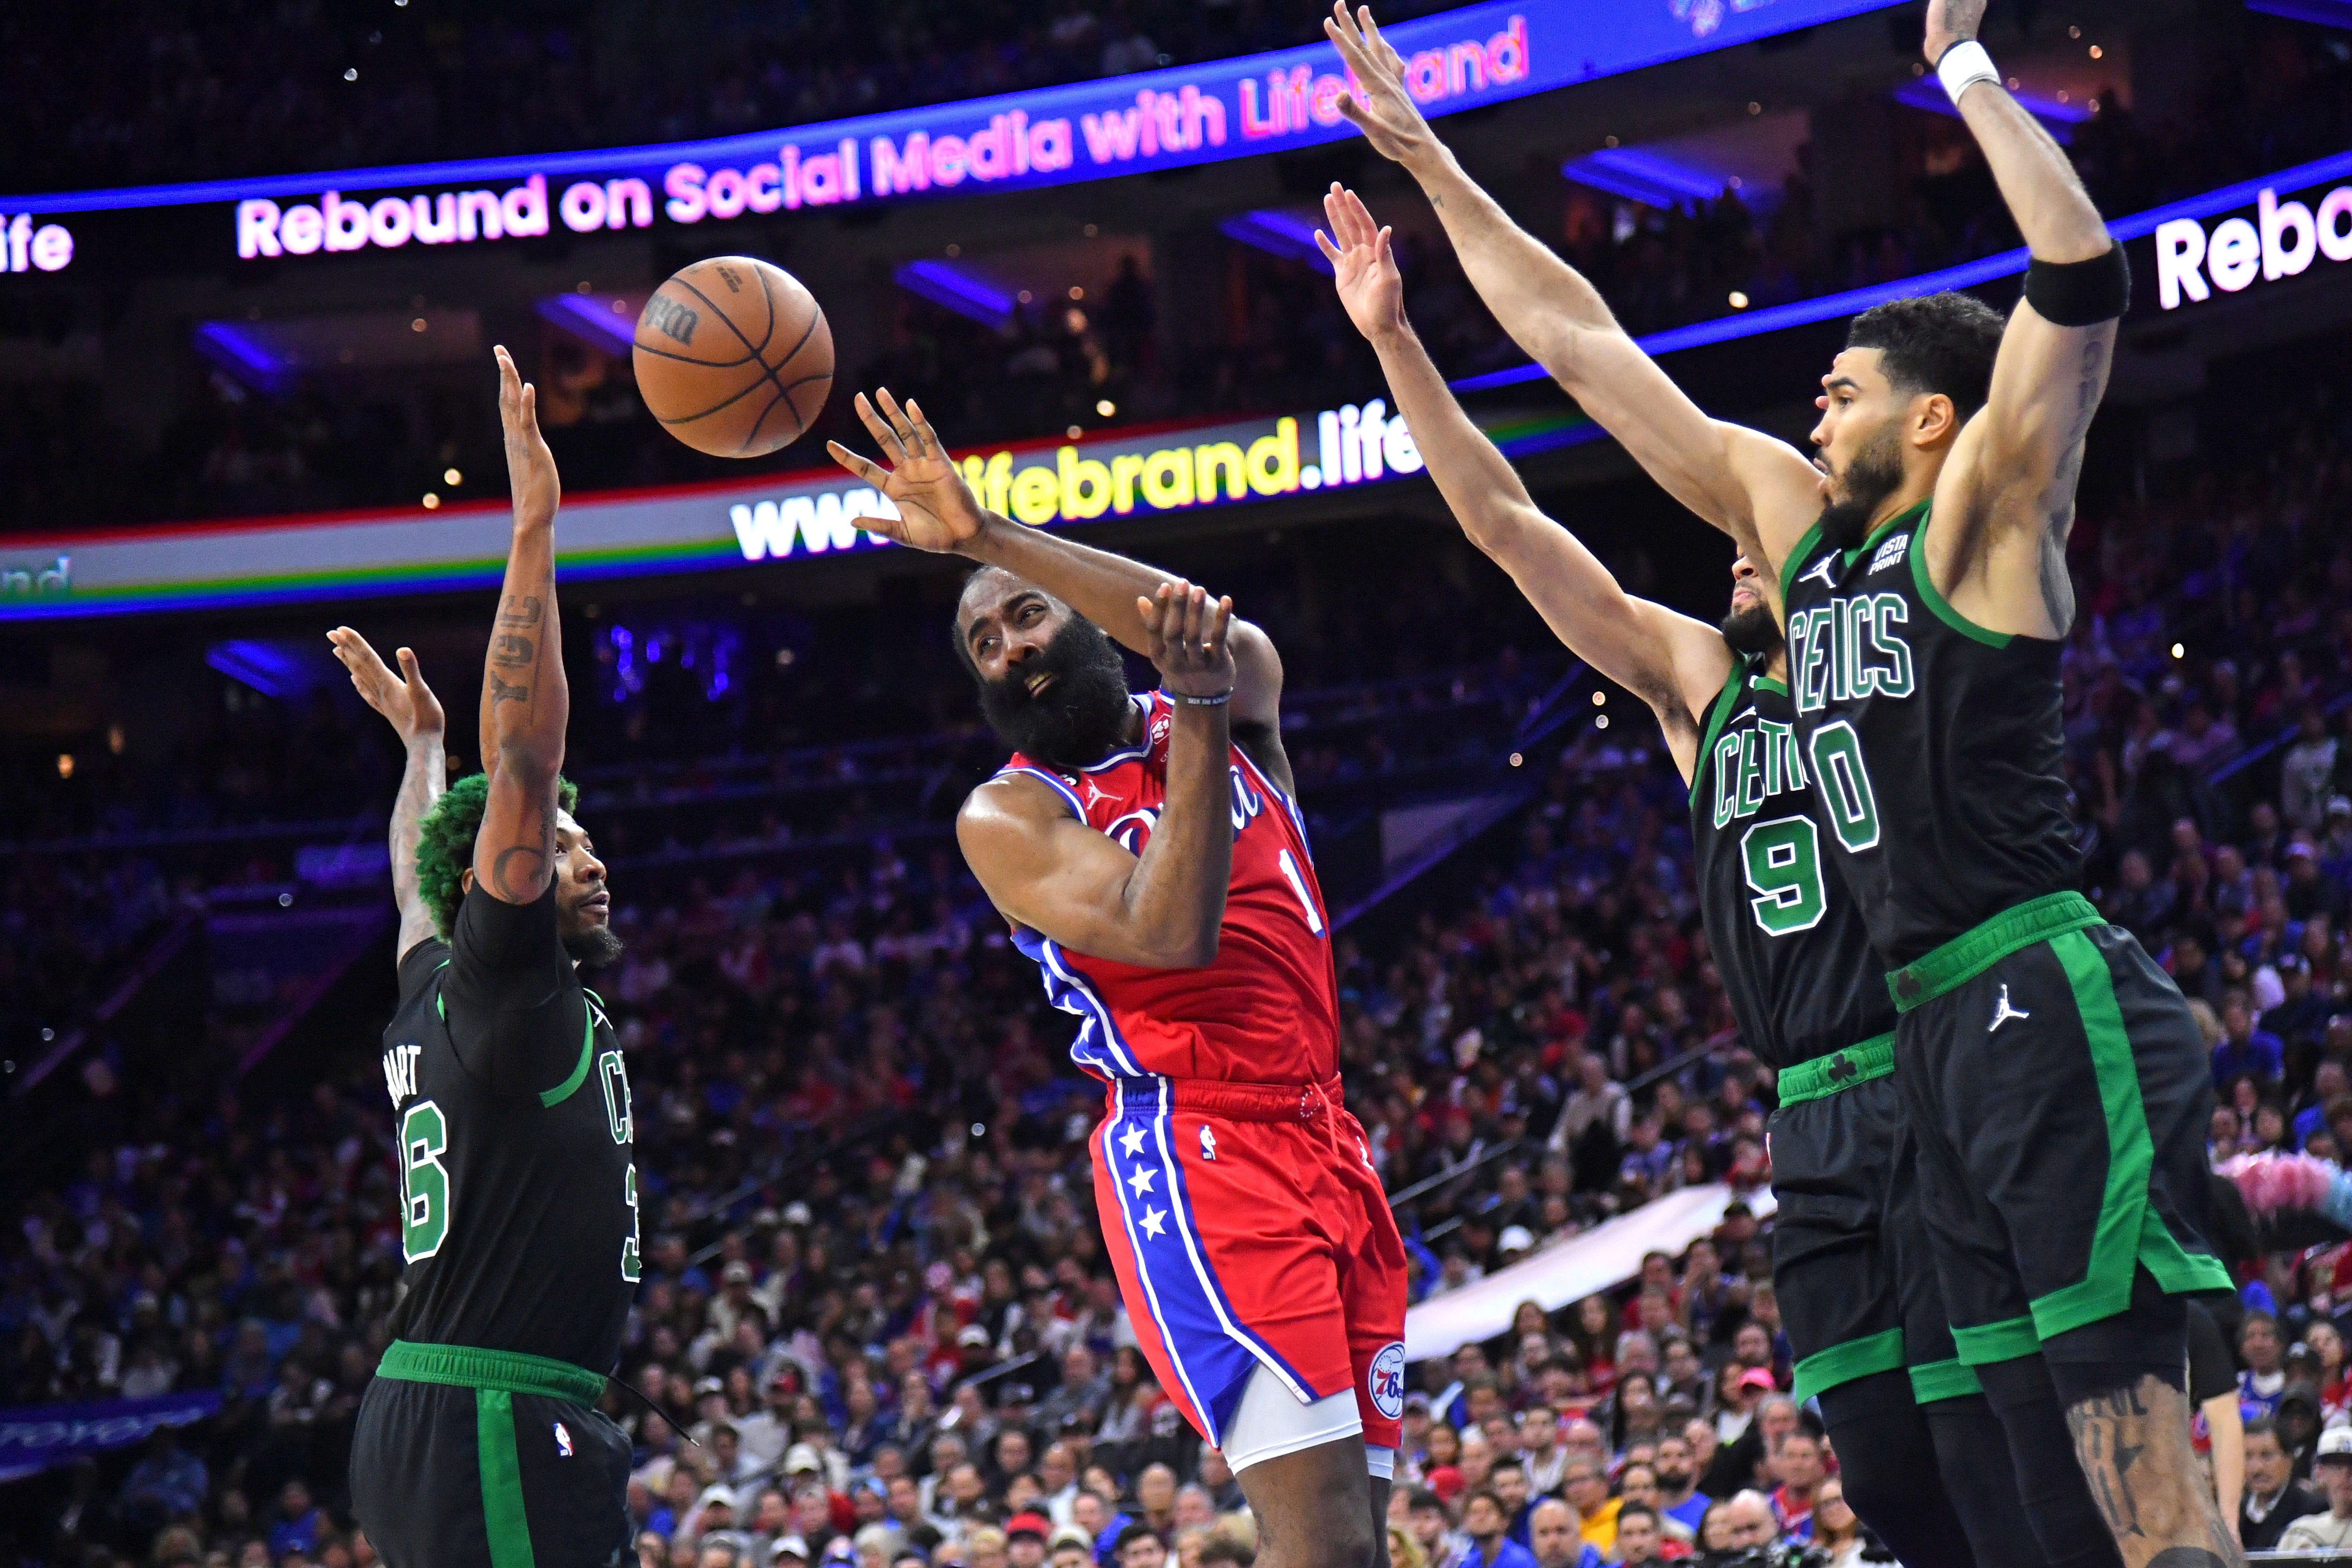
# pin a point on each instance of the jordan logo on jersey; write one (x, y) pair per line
(2002, 1012)
(1095, 795)
(1826, 569)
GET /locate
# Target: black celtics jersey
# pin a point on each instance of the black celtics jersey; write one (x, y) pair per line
(1795, 958)
(1936, 747)
(518, 1189)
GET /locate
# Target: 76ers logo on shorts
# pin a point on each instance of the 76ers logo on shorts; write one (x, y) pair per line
(1385, 1380)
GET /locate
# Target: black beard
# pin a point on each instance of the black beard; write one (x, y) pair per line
(1752, 630)
(592, 946)
(1876, 473)
(1080, 716)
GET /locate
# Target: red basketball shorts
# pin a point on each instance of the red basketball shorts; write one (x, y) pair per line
(1248, 1229)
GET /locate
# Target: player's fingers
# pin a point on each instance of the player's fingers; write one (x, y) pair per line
(1331, 253)
(529, 413)
(865, 468)
(1379, 48)
(1192, 597)
(896, 417)
(1148, 613)
(923, 430)
(1342, 24)
(879, 428)
(407, 658)
(1383, 255)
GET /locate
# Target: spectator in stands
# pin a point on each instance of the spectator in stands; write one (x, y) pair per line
(1638, 1537)
(2331, 1530)
(2262, 1355)
(2275, 1499)
(1797, 1466)
(1837, 1530)
(1586, 1487)
(1681, 1504)
(1556, 1543)
(1487, 1524)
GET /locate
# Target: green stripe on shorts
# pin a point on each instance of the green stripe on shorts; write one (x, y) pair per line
(1942, 1380)
(502, 1508)
(1974, 951)
(1838, 1072)
(2129, 1230)
(1855, 1359)
(1983, 1344)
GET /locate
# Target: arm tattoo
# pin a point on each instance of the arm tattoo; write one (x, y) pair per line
(519, 610)
(2133, 1444)
(528, 858)
(500, 691)
(510, 652)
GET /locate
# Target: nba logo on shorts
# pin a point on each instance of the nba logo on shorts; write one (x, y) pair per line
(1385, 1380)
(562, 1441)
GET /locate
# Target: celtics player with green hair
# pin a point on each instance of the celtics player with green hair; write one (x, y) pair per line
(1858, 1294)
(2053, 1078)
(478, 1443)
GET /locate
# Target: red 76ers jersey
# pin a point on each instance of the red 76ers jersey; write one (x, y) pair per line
(1267, 1011)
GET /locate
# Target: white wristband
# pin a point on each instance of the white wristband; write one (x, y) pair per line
(1964, 65)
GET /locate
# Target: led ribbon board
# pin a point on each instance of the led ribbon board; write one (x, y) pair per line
(1271, 102)
(704, 528)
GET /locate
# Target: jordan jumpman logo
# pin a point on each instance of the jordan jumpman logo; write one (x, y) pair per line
(2002, 1012)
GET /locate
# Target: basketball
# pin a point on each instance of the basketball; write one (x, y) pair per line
(733, 356)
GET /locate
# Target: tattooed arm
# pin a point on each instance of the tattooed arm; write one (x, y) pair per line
(414, 713)
(2134, 1446)
(525, 703)
(2005, 502)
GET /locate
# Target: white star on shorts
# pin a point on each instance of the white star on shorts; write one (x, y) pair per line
(1131, 1142)
(1142, 1179)
(1153, 1220)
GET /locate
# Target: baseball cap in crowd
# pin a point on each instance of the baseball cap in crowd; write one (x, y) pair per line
(1517, 1238)
(1071, 1535)
(708, 1386)
(786, 1546)
(1446, 1481)
(2299, 1350)
(973, 1335)
(1416, 1400)
(737, 1273)
(801, 1457)
(2335, 1443)
(2339, 805)
(1035, 1524)
(718, 1495)
(1757, 1377)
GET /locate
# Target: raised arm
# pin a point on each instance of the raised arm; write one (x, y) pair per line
(2009, 486)
(1676, 664)
(1048, 870)
(525, 703)
(1762, 491)
(1098, 585)
(414, 714)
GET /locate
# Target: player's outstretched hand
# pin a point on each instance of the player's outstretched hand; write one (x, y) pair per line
(530, 466)
(1386, 113)
(1184, 631)
(1362, 264)
(1951, 22)
(409, 704)
(937, 511)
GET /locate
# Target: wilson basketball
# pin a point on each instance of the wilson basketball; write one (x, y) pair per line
(733, 356)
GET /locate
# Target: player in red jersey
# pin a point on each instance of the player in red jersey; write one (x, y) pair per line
(1150, 857)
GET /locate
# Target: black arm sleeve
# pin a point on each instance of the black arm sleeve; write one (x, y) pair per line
(2211, 1369)
(514, 1014)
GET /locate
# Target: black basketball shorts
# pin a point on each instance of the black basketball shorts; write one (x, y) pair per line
(2061, 1097)
(476, 1459)
(1858, 1291)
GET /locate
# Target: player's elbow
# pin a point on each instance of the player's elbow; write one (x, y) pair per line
(529, 762)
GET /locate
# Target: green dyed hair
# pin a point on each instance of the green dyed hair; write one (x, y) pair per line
(444, 843)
